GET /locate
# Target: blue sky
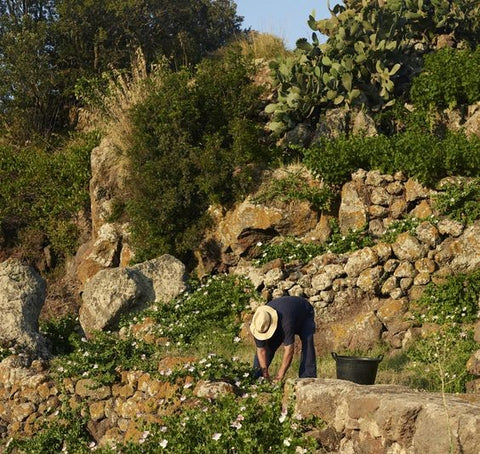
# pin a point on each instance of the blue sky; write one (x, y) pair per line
(284, 18)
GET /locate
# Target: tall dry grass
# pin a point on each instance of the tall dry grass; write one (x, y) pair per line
(110, 113)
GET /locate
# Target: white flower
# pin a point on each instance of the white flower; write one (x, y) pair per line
(283, 416)
(236, 339)
(187, 385)
(300, 450)
(236, 424)
(287, 442)
(163, 443)
(216, 436)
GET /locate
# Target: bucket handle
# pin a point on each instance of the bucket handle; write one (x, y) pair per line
(379, 357)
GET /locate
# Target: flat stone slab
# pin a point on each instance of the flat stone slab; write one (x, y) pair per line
(389, 419)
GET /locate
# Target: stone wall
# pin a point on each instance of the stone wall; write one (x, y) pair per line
(364, 297)
(385, 419)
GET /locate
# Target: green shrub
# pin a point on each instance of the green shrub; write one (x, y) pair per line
(460, 200)
(291, 249)
(197, 140)
(43, 191)
(210, 309)
(439, 359)
(449, 78)
(426, 157)
(294, 186)
(455, 301)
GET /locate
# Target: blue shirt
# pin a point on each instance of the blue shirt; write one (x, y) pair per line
(292, 312)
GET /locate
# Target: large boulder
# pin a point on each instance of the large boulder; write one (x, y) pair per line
(22, 295)
(388, 419)
(165, 275)
(116, 291)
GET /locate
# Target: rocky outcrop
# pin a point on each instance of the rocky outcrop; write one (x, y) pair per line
(22, 295)
(116, 291)
(386, 419)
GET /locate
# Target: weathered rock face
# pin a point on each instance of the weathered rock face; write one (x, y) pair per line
(166, 276)
(113, 292)
(386, 419)
(22, 295)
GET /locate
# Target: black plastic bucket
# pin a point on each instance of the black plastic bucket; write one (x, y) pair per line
(357, 369)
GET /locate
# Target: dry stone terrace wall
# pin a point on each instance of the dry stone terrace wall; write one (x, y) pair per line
(365, 296)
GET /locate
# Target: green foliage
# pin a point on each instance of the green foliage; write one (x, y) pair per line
(449, 78)
(399, 226)
(455, 301)
(99, 358)
(62, 334)
(210, 313)
(371, 54)
(294, 186)
(42, 193)
(48, 45)
(460, 200)
(426, 157)
(210, 309)
(290, 249)
(247, 425)
(196, 142)
(66, 432)
(439, 359)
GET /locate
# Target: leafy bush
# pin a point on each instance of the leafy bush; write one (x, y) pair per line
(210, 309)
(294, 186)
(43, 191)
(449, 78)
(196, 141)
(440, 358)
(290, 249)
(455, 301)
(460, 200)
(424, 156)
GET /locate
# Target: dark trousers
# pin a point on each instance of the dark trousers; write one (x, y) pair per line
(308, 360)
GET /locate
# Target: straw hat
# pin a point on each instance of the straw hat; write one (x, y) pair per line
(264, 322)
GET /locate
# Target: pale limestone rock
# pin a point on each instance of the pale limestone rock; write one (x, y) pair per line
(473, 363)
(461, 254)
(322, 282)
(425, 265)
(383, 251)
(167, 276)
(389, 415)
(407, 247)
(369, 279)
(398, 207)
(404, 269)
(389, 285)
(394, 188)
(352, 213)
(213, 390)
(414, 190)
(450, 227)
(377, 179)
(361, 260)
(428, 234)
(422, 211)
(109, 294)
(22, 295)
(273, 277)
(379, 196)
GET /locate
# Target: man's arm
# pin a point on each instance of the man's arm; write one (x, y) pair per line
(288, 352)
(262, 360)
